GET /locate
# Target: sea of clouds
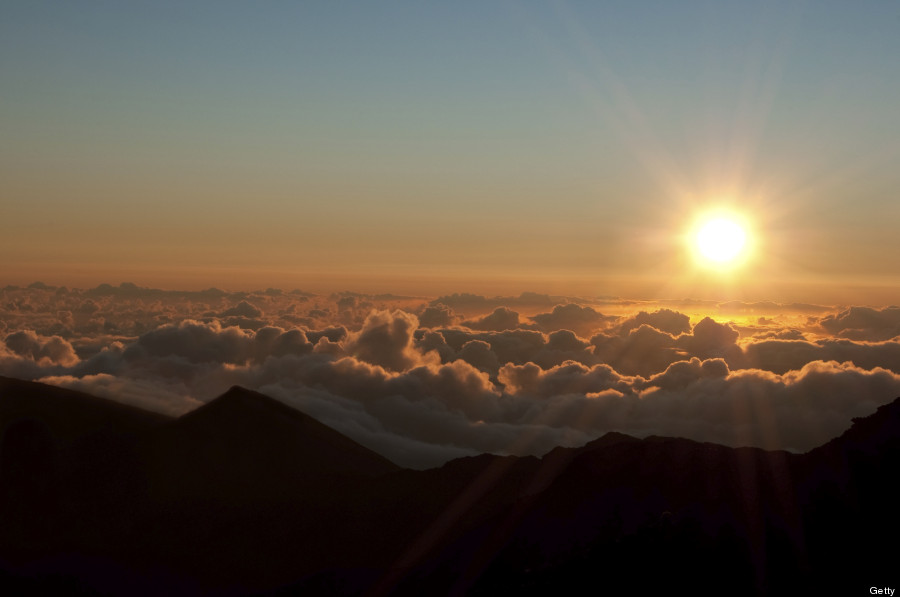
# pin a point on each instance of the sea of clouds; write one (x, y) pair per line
(424, 380)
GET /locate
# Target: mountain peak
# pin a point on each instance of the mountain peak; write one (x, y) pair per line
(612, 437)
(250, 427)
(241, 401)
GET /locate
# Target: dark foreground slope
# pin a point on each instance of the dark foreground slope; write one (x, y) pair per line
(246, 495)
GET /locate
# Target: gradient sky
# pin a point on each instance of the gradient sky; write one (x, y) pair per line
(483, 146)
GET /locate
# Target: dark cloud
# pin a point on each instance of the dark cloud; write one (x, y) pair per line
(579, 319)
(681, 374)
(781, 356)
(244, 322)
(436, 316)
(782, 334)
(562, 346)
(433, 341)
(347, 302)
(386, 339)
(242, 309)
(864, 323)
(709, 339)
(53, 350)
(195, 342)
(41, 286)
(88, 306)
(510, 346)
(568, 378)
(501, 319)
(664, 320)
(333, 334)
(478, 353)
(644, 351)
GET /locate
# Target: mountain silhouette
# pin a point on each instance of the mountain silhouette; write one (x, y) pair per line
(246, 495)
(69, 414)
(248, 444)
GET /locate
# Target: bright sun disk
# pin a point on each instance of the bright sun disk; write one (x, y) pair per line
(721, 240)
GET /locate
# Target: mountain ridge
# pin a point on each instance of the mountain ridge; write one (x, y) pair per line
(247, 495)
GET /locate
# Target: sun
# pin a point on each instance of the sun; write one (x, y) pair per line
(720, 240)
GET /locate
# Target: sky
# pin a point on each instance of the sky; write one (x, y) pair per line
(493, 147)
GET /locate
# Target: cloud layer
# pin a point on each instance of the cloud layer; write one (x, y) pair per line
(421, 383)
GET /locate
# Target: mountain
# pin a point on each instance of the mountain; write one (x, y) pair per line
(246, 443)
(246, 495)
(68, 414)
(252, 427)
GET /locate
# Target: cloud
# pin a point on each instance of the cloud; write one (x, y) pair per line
(644, 351)
(568, 378)
(798, 410)
(436, 316)
(478, 353)
(386, 339)
(53, 350)
(781, 356)
(194, 341)
(422, 391)
(864, 323)
(510, 346)
(433, 341)
(579, 319)
(164, 398)
(276, 342)
(709, 338)
(242, 309)
(681, 374)
(664, 320)
(87, 306)
(502, 318)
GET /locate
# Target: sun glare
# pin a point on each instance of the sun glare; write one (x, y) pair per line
(720, 241)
